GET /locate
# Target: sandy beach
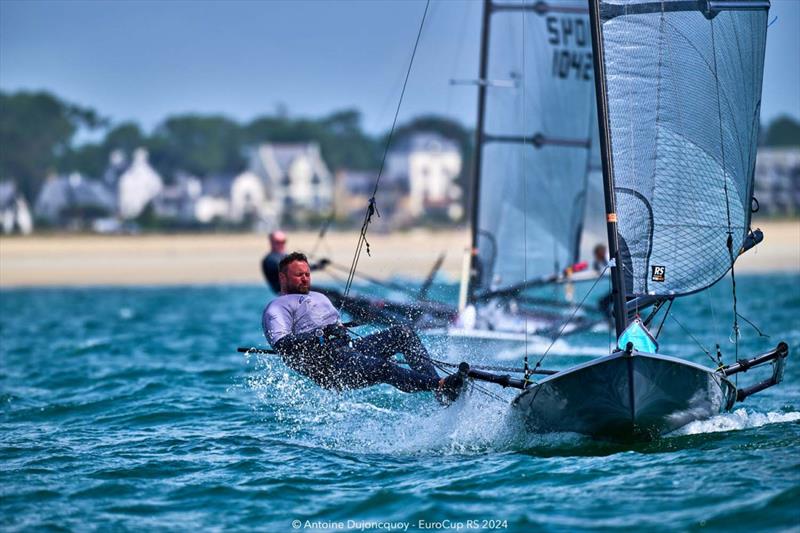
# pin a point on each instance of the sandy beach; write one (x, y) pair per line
(81, 260)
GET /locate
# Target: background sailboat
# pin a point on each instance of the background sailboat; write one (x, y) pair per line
(536, 123)
(536, 139)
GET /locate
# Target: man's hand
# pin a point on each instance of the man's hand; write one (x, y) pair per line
(335, 331)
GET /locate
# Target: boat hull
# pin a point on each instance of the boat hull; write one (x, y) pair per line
(625, 397)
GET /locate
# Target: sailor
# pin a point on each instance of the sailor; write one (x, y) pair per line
(270, 262)
(306, 330)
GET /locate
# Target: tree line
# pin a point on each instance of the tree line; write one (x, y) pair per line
(37, 132)
(38, 129)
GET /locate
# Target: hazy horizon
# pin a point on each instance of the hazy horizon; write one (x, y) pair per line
(143, 61)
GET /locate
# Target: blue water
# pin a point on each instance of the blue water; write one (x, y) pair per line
(130, 409)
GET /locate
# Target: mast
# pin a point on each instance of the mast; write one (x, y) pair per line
(478, 158)
(617, 280)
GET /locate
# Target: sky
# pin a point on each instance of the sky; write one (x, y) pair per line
(141, 61)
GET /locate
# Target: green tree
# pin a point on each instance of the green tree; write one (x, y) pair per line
(783, 131)
(126, 137)
(36, 129)
(89, 159)
(345, 145)
(92, 159)
(201, 145)
(342, 142)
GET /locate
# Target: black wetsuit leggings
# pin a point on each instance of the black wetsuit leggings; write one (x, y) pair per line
(370, 361)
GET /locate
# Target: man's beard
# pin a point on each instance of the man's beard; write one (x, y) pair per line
(298, 289)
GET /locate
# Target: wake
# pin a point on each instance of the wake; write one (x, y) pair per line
(736, 420)
(383, 420)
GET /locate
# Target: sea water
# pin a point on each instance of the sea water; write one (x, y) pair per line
(130, 409)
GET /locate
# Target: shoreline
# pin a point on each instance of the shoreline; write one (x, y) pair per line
(189, 259)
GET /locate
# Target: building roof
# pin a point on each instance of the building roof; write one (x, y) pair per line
(425, 142)
(218, 185)
(8, 193)
(276, 159)
(73, 190)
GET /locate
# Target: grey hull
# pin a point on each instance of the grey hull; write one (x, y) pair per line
(625, 397)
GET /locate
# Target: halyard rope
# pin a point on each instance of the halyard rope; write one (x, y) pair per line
(372, 207)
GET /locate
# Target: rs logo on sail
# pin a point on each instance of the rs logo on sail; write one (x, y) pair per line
(572, 55)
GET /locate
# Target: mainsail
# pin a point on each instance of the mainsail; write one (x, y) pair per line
(683, 93)
(538, 125)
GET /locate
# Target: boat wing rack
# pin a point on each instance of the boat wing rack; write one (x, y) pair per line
(776, 356)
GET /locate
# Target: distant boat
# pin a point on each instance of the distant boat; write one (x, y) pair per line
(535, 129)
(678, 87)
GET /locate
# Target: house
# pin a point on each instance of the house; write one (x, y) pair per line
(297, 181)
(214, 203)
(430, 164)
(777, 185)
(117, 164)
(178, 201)
(73, 200)
(353, 190)
(14, 212)
(137, 186)
(249, 200)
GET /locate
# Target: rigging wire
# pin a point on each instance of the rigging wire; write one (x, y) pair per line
(523, 150)
(539, 362)
(729, 240)
(610, 322)
(323, 230)
(713, 313)
(708, 353)
(566, 323)
(663, 320)
(760, 333)
(372, 207)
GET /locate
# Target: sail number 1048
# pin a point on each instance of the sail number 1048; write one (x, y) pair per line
(572, 52)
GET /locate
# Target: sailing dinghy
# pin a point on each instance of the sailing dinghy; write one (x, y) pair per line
(678, 90)
(534, 135)
(678, 87)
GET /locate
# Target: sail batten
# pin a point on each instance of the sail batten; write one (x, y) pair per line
(683, 84)
(710, 8)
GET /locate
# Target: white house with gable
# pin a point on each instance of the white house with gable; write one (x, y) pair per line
(430, 163)
(296, 179)
(137, 186)
(249, 199)
(72, 201)
(14, 211)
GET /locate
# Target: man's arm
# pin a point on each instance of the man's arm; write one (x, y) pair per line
(277, 321)
(270, 269)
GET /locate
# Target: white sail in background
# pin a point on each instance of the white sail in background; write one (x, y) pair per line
(538, 130)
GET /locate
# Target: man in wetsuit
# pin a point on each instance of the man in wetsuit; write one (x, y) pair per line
(277, 251)
(305, 328)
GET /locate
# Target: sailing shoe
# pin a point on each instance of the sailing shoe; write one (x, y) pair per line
(451, 386)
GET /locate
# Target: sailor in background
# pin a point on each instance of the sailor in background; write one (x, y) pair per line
(270, 263)
(306, 330)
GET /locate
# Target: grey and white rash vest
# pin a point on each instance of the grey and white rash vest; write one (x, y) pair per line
(297, 313)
